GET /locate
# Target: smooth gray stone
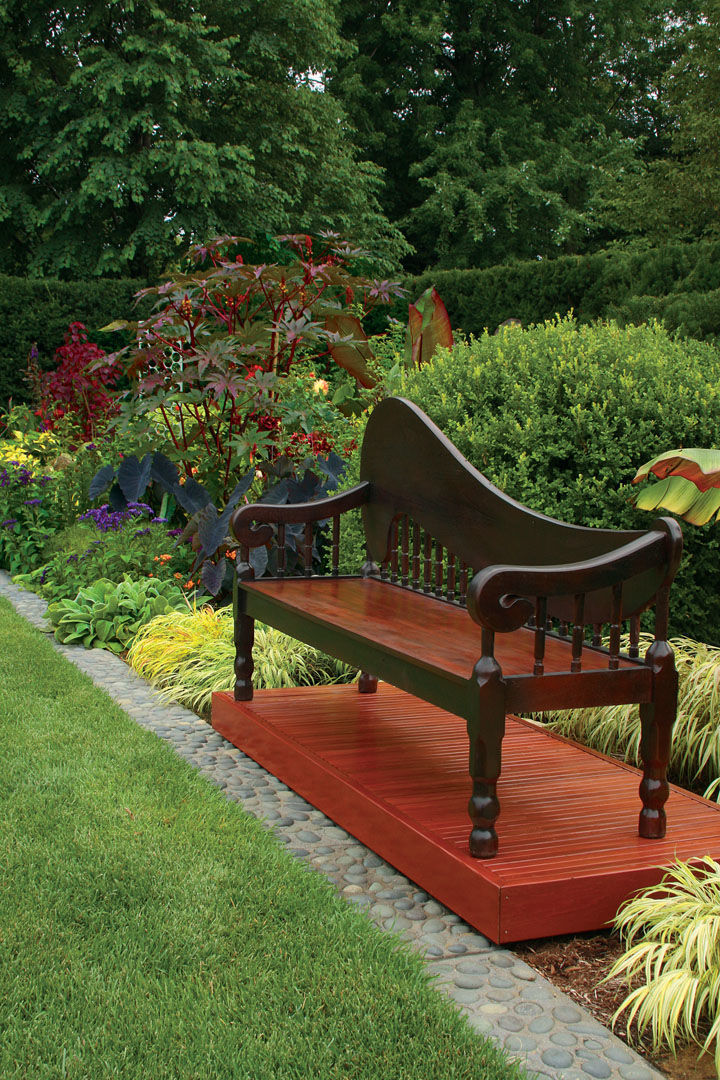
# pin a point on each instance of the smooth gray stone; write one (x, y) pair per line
(597, 1068)
(557, 1059)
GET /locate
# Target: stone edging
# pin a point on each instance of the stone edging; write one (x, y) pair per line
(500, 995)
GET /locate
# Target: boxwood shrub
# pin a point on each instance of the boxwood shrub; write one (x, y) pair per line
(561, 415)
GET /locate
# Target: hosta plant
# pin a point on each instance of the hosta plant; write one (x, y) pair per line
(695, 753)
(188, 655)
(671, 934)
(108, 614)
(688, 484)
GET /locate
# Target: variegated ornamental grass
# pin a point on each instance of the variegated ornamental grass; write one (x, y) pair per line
(672, 937)
(188, 655)
(695, 755)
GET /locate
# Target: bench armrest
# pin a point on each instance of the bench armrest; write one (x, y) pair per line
(252, 524)
(499, 596)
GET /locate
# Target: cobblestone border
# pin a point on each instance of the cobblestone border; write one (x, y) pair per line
(500, 995)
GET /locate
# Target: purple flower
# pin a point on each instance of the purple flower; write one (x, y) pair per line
(10, 523)
(142, 532)
(175, 532)
(71, 558)
(32, 502)
(158, 521)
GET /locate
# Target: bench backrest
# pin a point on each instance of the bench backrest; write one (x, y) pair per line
(425, 494)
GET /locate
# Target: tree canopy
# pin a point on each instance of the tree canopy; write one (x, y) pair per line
(128, 125)
(499, 126)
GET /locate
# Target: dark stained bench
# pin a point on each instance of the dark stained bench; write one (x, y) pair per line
(472, 602)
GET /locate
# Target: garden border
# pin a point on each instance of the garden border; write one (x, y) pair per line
(500, 995)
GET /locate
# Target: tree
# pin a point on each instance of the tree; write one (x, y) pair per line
(126, 126)
(677, 195)
(499, 124)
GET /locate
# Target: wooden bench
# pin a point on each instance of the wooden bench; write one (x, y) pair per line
(472, 602)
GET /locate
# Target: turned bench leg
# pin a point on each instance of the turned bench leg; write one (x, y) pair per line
(486, 728)
(244, 641)
(657, 718)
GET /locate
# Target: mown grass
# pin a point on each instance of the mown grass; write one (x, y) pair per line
(149, 928)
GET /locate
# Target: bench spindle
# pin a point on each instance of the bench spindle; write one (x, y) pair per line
(578, 634)
(394, 552)
(307, 549)
(540, 627)
(451, 577)
(597, 634)
(614, 662)
(633, 649)
(416, 556)
(439, 569)
(405, 557)
(462, 597)
(281, 557)
(427, 563)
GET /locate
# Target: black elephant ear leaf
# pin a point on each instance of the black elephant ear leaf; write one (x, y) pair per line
(102, 478)
(211, 529)
(277, 495)
(130, 477)
(258, 559)
(116, 498)
(212, 575)
(240, 488)
(191, 496)
(163, 471)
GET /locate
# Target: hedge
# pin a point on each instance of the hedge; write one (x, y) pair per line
(40, 310)
(678, 284)
(560, 416)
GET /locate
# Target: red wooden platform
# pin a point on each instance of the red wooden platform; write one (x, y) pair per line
(392, 770)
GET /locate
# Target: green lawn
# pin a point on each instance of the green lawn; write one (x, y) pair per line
(150, 929)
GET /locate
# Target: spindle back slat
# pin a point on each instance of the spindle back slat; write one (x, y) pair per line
(405, 556)
(578, 634)
(281, 552)
(307, 549)
(416, 556)
(540, 627)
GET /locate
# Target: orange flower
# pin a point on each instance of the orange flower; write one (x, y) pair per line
(177, 575)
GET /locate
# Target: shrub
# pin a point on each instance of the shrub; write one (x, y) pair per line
(79, 387)
(677, 283)
(695, 753)
(188, 655)
(108, 614)
(560, 416)
(37, 312)
(672, 938)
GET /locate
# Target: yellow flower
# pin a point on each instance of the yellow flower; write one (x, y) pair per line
(320, 386)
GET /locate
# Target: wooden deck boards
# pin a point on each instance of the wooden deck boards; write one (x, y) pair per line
(392, 770)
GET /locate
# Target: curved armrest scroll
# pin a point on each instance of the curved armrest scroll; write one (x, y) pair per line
(252, 524)
(499, 596)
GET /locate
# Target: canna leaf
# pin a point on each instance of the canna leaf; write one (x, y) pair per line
(701, 467)
(428, 329)
(681, 497)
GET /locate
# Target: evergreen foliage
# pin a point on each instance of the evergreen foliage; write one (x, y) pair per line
(499, 126)
(677, 284)
(126, 126)
(38, 312)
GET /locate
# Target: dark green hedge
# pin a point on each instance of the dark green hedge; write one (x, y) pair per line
(560, 417)
(39, 310)
(678, 284)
